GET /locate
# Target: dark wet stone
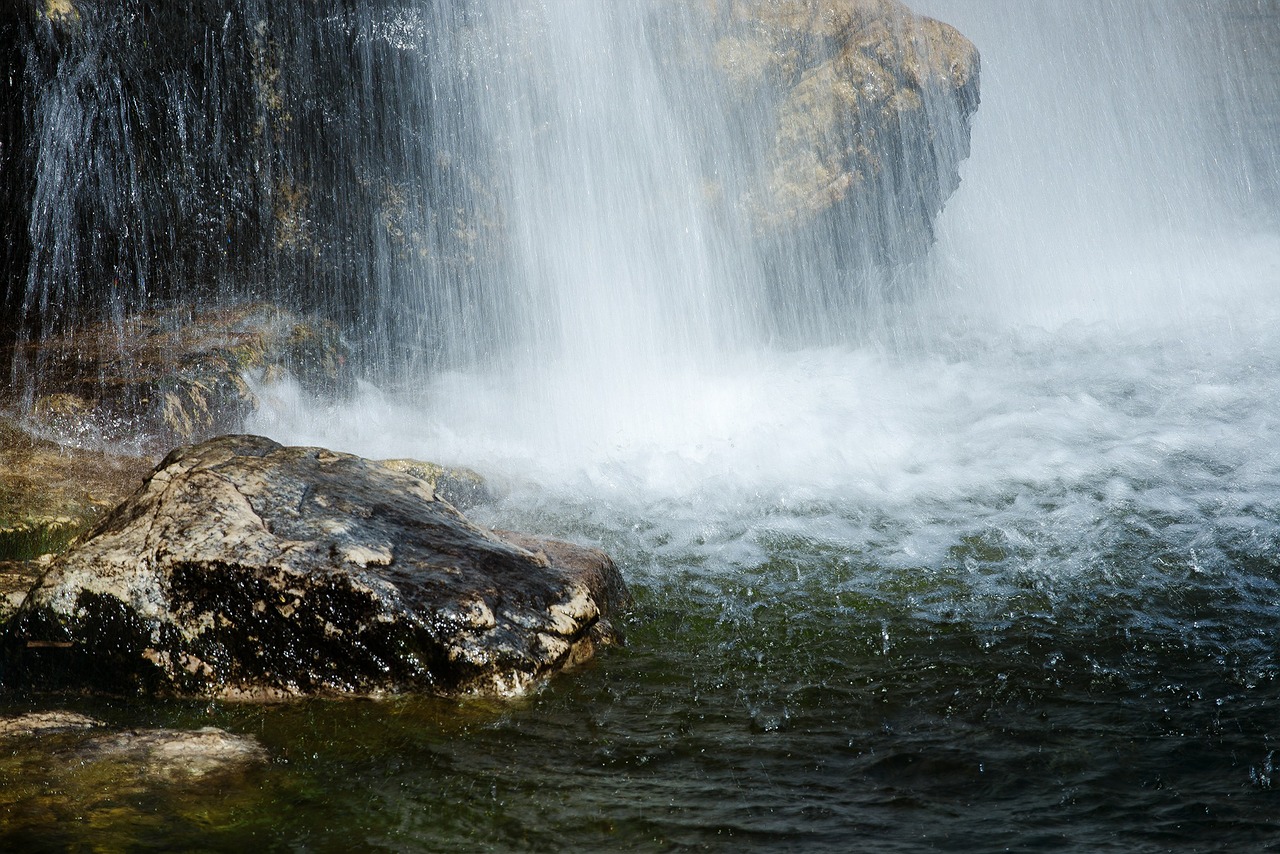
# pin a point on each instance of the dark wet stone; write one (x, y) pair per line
(244, 569)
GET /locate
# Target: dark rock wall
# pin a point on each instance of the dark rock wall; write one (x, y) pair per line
(134, 159)
(325, 157)
(220, 148)
(15, 190)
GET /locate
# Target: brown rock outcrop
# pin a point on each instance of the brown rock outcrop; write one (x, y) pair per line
(868, 108)
(244, 569)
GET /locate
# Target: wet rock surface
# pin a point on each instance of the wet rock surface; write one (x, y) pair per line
(460, 486)
(868, 120)
(50, 493)
(155, 380)
(146, 757)
(243, 569)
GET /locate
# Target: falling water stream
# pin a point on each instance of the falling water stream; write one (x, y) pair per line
(996, 569)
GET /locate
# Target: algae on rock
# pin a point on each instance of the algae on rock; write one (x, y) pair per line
(51, 493)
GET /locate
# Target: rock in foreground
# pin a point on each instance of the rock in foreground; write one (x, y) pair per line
(247, 570)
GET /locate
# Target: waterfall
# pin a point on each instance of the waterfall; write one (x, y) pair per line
(560, 228)
(636, 179)
(1120, 198)
(1125, 151)
(626, 187)
(938, 447)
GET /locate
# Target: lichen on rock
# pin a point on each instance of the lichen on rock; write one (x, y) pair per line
(247, 570)
(60, 11)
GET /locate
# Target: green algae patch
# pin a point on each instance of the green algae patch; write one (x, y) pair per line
(28, 539)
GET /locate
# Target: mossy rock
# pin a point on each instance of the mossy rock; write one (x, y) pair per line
(166, 378)
(52, 493)
(31, 538)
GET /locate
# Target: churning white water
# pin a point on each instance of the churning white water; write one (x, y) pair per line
(1093, 337)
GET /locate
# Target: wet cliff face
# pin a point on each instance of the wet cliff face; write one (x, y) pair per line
(14, 189)
(219, 149)
(330, 158)
(133, 159)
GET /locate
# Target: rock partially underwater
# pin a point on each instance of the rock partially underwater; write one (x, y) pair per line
(247, 570)
(145, 757)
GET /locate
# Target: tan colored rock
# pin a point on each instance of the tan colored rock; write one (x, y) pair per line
(45, 723)
(50, 493)
(247, 570)
(61, 11)
(150, 756)
(16, 579)
(861, 89)
(175, 756)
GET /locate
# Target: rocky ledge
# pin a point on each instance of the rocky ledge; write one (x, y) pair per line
(243, 569)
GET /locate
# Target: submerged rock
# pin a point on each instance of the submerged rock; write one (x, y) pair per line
(45, 723)
(146, 756)
(244, 569)
(170, 755)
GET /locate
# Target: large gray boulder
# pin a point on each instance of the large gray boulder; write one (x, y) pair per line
(248, 570)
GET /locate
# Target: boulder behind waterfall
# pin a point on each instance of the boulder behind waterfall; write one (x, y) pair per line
(244, 569)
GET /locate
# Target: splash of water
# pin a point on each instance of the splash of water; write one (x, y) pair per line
(1110, 234)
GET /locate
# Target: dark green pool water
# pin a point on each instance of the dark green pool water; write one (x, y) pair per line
(812, 701)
